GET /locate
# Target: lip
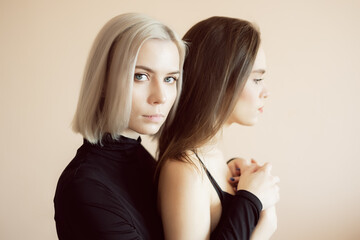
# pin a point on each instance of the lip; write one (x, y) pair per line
(154, 117)
(261, 110)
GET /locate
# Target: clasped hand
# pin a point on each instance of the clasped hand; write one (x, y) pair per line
(254, 178)
(250, 176)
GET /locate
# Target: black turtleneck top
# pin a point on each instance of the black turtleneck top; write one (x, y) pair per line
(107, 192)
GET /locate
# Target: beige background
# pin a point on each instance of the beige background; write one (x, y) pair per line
(309, 131)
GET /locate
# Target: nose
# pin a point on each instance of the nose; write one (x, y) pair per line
(264, 93)
(157, 93)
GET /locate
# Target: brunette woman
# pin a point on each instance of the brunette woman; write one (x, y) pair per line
(223, 84)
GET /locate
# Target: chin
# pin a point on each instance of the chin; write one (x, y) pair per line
(248, 123)
(149, 131)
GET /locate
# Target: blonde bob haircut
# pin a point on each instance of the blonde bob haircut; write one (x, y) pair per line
(104, 104)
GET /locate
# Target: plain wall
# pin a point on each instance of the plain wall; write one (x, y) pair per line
(309, 131)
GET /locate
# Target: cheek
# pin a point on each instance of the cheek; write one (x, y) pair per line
(245, 105)
(138, 100)
(248, 97)
(171, 96)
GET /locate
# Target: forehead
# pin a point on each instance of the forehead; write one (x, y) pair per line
(260, 61)
(158, 51)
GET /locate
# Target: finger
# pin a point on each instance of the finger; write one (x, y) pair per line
(242, 163)
(233, 171)
(253, 161)
(252, 168)
(276, 179)
(267, 167)
(234, 180)
(233, 168)
(245, 164)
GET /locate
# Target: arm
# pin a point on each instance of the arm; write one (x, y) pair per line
(256, 190)
(267, 224)
(239, 219)
(94, 213)
(184, 202)
(185, 207)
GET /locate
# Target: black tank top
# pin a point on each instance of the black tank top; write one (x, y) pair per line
(240, 212)
(225, 197)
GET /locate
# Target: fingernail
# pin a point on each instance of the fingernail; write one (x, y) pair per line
(232, 179)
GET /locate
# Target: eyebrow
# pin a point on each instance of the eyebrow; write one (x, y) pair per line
(152, 71)
(262, 71)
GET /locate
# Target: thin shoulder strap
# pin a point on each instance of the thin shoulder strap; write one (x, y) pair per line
(212, 180)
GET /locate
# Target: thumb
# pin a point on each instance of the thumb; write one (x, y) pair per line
(252, 168)
(267, 167)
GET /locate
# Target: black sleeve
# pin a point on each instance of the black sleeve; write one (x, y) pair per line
(96, 214)
(239, 218)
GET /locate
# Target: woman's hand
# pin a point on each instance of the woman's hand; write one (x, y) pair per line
(267, 223)
(261, 183)
(238, 165)
(235, 166)
(249, 176)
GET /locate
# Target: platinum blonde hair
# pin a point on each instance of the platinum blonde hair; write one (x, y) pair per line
(104, 104)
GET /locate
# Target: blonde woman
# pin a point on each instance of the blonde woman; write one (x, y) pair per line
(223, 84)
(131, 83)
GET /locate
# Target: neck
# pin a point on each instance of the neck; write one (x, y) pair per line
(212, 145)
(130, 134)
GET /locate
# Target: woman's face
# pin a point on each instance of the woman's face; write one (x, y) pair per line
(252, 99)
(154, 88)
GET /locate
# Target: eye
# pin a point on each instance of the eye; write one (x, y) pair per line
(258, 80)
(141, 77)
(170, 79)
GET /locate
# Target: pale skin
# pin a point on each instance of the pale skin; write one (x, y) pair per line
(154, 88)
(267, 224)
(198, 207)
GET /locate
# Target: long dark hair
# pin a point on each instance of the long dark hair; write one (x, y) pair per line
(221, 53)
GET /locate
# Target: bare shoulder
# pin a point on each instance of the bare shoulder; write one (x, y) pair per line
(182, 184)
(182, 179)
(186, 171)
